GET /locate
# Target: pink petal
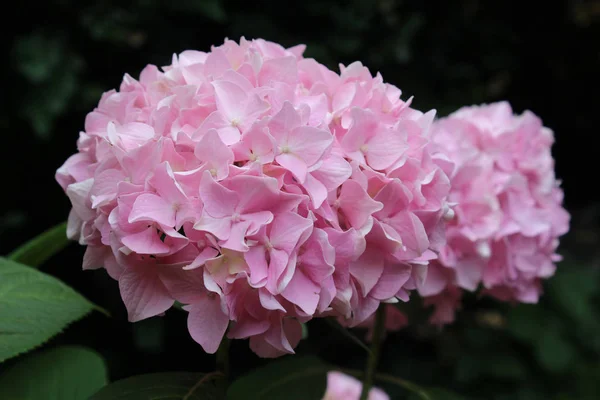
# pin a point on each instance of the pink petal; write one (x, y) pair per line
(334, 171)
(79, 195)
(237, 238)
(257, 220)
(216, 63)
(309, 143)
(268, 301)
(220, 227)
(229, 135)
(94, 256)
(438, 277)
(105, 186)
(146, 242)
(150, 207)
(277, 266)
(143, 293)
(391, 280)
(303, 292)
(356, 204)
(215, 154)
(315, 189)
(364, 126)
(295, 164)
(167, 186)
(255, 107)
(248, 327)
(385, 148)
(318, 257)
(284, 121)
(412, 232)
(367, 270)
(257, 264)
(206, 254)
(186, 287)
(230, 99)
(260, 193)
(283, 69)
(289, 230)
(468, 273)
(207, 323)
(218, 201)
(394, 196)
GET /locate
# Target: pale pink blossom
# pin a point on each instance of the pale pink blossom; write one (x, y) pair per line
(508, 213)
(344, 387)
(259, 189)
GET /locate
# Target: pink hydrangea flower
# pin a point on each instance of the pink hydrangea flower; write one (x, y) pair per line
(258, 188)
(508, 214)
(344, 387)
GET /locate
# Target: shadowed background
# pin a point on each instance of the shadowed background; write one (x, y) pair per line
(60, 59)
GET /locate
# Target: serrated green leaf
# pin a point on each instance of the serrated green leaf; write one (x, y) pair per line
(41, 247)
(64, 373)
(165, 386)
(34, 307)
(291, 378)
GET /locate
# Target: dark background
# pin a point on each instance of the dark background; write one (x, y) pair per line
(543, 56)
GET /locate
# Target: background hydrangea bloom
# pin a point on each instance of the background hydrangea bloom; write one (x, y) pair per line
(259, 189)
(344, 387)
(509, 212)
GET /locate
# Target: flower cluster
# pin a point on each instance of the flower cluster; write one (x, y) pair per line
(508, 214)
(345, 387)
(260, 189)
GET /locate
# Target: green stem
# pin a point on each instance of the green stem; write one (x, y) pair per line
(223, 357)
(378, 332)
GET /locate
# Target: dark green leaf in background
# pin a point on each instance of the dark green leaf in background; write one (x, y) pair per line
(291, 378)
(165, 386)
(554, 352)
(63, 373)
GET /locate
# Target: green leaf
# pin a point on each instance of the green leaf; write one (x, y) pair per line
(291, 378)
(34, 307)
(41, 247)
(554, 353)
(165, 386)
(64, 373)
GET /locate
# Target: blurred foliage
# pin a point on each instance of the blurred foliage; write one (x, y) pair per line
(62, 373)
(548, 350)
(542, 57)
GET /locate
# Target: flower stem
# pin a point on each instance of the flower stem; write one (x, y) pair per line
(378, 332)
(223, 357)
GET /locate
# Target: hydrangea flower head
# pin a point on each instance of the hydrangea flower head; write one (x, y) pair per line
(258, 188)
(344, 387)
(509, 213)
